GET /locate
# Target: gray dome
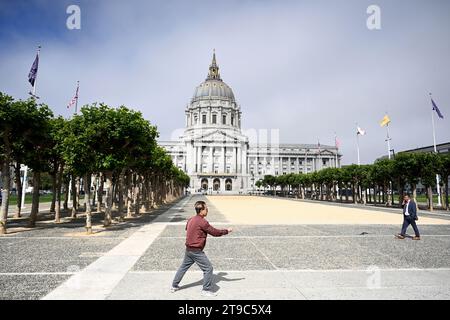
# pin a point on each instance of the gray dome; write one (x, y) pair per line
(213, 89)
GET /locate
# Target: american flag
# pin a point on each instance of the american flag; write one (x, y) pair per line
(75, 98)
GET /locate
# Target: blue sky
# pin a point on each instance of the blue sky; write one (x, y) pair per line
(307, 68)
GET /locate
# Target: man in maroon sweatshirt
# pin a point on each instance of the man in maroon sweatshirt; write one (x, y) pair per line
(197, 229)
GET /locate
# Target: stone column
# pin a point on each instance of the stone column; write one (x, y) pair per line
(208, 117)
(195, 157)
(239, 160)
(234, 161)
(224, 156)
(211, 158)
(199, 158)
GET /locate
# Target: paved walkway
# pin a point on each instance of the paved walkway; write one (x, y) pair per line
(292, 260)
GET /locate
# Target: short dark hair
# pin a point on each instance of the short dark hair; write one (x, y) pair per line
(199, 206)
(407, 195)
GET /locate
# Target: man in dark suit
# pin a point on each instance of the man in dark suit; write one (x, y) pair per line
(409, 218)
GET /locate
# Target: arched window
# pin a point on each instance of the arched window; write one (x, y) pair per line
(228, 184)
(204, 184)
(216, 184)
(232, 120)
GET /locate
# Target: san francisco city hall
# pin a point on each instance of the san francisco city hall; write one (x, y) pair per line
(219, 158)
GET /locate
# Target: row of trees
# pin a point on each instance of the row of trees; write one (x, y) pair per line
(115, 147)
(374, 183)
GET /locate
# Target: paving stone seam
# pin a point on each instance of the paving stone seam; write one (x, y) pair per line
(336, 236)
(279, 270)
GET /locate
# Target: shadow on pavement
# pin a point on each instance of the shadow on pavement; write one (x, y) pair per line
(217, 278)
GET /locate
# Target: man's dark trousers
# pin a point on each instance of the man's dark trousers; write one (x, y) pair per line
(407, 220)
(202, 261)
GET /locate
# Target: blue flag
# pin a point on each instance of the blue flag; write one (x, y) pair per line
(33, 72)
(435, 107)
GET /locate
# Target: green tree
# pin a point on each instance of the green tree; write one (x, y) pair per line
(444, 172)
(429, 163)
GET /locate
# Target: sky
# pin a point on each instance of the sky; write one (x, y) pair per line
(307, 68)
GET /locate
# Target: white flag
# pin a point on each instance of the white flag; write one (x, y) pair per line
(361, 131)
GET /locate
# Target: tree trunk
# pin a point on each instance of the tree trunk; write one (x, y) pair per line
(66, 197)
(414, 194)
(78, 188)
(87, 197)
(153, 187)
(109, 199)
(100, 192)
(447, 207)
(114, 194)
(53, 176)
(142, 193)
(400, 193)
(93, 195)
(6, 180)
(147, 194)
(58, 194)
(430, 198)
(121, 191)
(388, 195)
(354, 195)
(74, 197)
(35, 205)
(136, 196)
(19, 190)
(441, 189)
(129, 196)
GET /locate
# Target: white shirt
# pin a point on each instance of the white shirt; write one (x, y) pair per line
(406, 209)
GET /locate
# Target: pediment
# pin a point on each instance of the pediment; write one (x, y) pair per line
(327, 153)
(218, 135)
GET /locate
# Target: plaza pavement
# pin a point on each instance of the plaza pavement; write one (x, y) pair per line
(279, 249)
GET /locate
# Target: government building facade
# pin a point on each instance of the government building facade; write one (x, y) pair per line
(219, 158)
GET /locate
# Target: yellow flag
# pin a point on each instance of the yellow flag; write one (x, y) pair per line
(385, 121)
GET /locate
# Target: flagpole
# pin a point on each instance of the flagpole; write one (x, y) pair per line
(336, 161)
(337, 150)
(357, 143)
(388, 139)
(435, 151)
(76, 100)
(25, 167)
(318, 156)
